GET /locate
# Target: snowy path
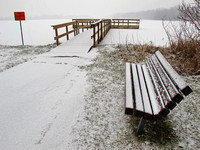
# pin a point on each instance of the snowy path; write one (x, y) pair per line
(40, 99)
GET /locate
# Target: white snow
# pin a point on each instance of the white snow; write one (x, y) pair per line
(150, 32)
(41, 98)
(35, 32)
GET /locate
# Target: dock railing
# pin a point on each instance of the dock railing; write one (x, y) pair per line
(72, 27)
(100, 29)
(126, 23)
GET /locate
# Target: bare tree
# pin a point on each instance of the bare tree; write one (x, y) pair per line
(190, 13)
(184, 37)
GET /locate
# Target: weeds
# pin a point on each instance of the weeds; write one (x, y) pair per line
(184, 39)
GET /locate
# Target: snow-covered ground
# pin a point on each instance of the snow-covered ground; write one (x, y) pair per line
(41, 98)
(72, 99)
(150, 32)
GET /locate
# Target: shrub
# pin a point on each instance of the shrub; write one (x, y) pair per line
(184, 38)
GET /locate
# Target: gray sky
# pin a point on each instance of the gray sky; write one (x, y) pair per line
(96, 8)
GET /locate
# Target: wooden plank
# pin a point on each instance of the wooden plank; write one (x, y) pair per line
(70, 31)
(126, 26)
(176, 78)
(157, 104)
(57, 40)
(101, 29)
(63, 25)
(161, 91)
(98, 38)
(147, 106)
(138, 102)
(59, 36)
(67, 32)
(94, 36)
(129, 92)
(175, 95)
(160, 87)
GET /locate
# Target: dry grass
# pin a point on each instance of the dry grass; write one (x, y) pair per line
(183, 56)
(186, 57)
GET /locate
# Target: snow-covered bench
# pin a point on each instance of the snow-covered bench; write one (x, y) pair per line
(152, 89)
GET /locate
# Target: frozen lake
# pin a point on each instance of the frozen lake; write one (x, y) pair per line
(36, 32)
(40, 32)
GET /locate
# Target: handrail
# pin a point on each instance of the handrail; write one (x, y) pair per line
(75, 25)
(100, 29)
(126, 23)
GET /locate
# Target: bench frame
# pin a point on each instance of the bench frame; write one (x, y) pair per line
(153, 89)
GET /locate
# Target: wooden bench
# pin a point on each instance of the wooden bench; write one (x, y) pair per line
(153, 89)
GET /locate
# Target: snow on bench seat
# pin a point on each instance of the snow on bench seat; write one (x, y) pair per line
(153, 89)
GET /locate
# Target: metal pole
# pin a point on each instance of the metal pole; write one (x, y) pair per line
(141, 126)
(21, 32)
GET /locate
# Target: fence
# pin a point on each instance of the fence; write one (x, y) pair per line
(72, 27)
(126, 23)
(100, 29)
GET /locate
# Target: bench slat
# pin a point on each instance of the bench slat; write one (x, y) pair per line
(157, 104)
(171, 88)
(185, 89)
(129, 92)
(159, 86)
(139, 106)
(145, 97)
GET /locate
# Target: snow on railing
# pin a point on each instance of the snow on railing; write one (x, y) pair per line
(126, 23)
(72, 27)
(100, 29)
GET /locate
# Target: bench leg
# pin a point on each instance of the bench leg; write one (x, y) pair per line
(141, 126)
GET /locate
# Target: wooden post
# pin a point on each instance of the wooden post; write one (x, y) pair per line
(57, 40)
(104, 32)
(82, 27)
(74, 27)
(98, 33)
(94, 40)
(128, 23)
(78, 31)
(87, 25)
(67, 32)
(101, 31)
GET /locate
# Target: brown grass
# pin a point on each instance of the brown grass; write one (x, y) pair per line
(184, 57)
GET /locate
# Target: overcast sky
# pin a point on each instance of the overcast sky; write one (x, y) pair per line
(93, 8)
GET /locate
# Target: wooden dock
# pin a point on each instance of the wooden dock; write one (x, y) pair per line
(100, 28)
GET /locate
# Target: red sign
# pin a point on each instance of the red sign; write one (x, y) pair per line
(19, 16)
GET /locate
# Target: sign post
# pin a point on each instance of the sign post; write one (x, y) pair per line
(19, 16)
